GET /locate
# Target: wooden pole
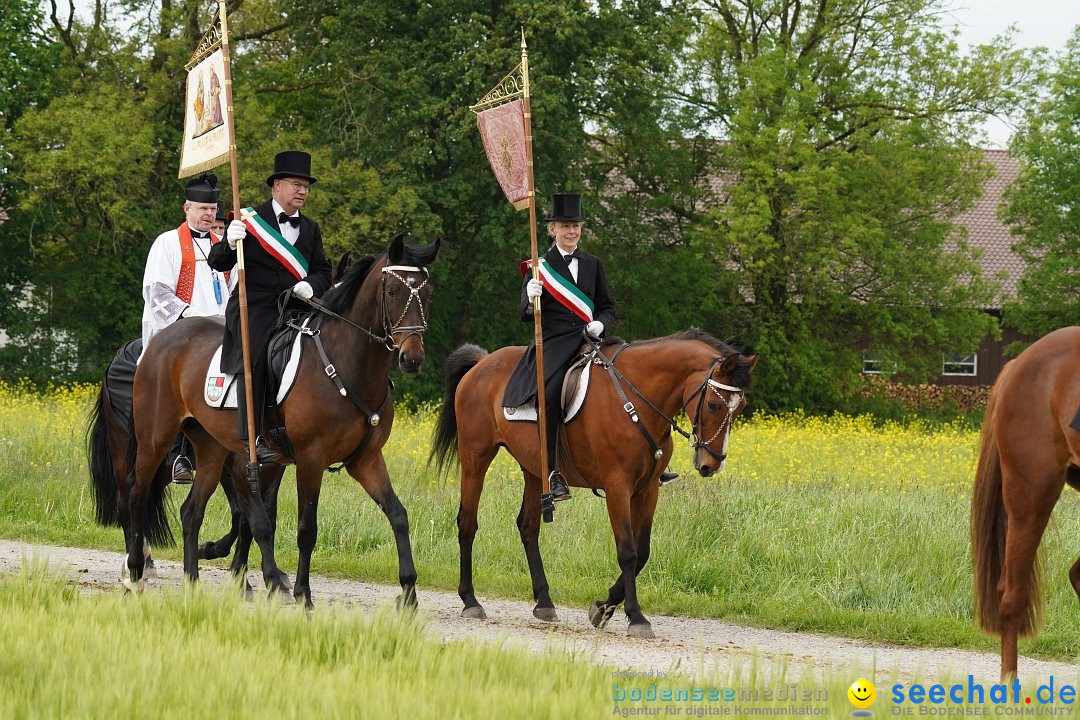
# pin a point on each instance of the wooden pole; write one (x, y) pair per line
(538, 334)
(253, 465)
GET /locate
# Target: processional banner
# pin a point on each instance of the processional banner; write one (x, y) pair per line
(502, 130)
(206, 132)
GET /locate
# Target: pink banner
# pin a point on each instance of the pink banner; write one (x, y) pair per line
(502, 130)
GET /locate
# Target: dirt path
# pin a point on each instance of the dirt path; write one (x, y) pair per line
(698, 648)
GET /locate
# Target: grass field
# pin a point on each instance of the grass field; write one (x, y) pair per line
(832, 525)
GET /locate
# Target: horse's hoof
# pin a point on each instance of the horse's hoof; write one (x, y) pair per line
(135, 587)
(599, 614)
(149, 568)
(475, 612)
(547, 614)
(406, 600)
(642, 630)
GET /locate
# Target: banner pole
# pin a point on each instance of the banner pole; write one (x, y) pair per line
(546, 504)
(253, 464)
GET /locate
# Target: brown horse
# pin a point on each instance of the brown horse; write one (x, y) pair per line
(339, 410)
(1027, 454)
(618, 444)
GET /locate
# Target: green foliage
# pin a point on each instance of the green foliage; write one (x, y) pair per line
(1044, 204)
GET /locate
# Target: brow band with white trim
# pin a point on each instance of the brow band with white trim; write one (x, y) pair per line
(722, 386)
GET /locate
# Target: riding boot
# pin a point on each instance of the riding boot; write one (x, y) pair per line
(556, 481)
(183, 471)
(1075, 424)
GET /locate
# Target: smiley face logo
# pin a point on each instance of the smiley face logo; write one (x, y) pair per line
(862, 694)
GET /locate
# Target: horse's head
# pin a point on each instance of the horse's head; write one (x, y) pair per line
(405, 291)
(712, 402)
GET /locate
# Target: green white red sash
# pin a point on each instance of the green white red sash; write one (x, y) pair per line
(566, 292)
(275, 244)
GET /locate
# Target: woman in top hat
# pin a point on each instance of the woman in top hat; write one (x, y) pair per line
(562, 329)
(267, 278)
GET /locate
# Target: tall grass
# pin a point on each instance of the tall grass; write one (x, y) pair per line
(825, 524)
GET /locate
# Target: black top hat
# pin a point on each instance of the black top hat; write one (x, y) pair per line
(202, 189)
(291, 164)
(566, 207)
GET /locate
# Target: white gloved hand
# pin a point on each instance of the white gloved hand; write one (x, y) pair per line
(303, 290)
(235, 233)
(534, 288)
(594, 329)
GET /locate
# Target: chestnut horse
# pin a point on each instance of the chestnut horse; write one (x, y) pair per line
(618, 444)
(339, 410)
(1027, 454)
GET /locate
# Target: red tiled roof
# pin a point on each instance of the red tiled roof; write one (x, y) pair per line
(989, 233)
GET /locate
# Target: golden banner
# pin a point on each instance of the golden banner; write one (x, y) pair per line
(206, 133)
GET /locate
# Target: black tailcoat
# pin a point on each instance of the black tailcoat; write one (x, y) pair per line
(266, 278)
(562, 329)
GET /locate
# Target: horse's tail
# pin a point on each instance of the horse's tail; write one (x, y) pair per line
(156, 522)
(100, 458)
(989, 524)
(444, 444)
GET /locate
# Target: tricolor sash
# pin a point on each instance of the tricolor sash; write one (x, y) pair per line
(566, 292)
(273, 242)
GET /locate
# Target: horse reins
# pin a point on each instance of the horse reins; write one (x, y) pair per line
(617, 379)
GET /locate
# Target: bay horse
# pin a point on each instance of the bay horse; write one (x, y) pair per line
(1027, 454)
(340, 409)
(618, 444)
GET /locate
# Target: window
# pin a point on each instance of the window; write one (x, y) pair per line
(957, 364)
(874, 364)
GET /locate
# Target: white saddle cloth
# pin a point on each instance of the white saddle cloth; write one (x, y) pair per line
(219, 391)
(527, 412)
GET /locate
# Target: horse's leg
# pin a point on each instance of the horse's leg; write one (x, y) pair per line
(270, 480)
(148, 458)
(223, 546)
(372, 474)
(1029, 498)
(626, 550)
(209, 456)
(474, 467)
(308, 488)
(528, 522)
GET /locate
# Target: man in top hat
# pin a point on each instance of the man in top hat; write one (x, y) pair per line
(267, 278)
(178, 282)
(562, 329)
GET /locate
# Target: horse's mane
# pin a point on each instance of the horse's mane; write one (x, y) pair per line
(741, 375)
(340, 296)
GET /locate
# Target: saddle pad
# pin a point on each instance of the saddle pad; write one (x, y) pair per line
(219, 391)
(527, 412)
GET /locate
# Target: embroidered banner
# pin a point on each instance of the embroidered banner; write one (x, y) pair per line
(206, 135)
(502, 130)
(275, 244)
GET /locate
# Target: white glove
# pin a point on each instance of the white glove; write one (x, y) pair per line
(235, 233)
(534, 288)
(303, 290)
(594, 329)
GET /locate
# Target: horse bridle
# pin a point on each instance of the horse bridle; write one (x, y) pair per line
(731, 402)
(414, 294)
(708, 384)
(389, 329)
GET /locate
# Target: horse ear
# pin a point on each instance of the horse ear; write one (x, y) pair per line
(397, 249)
(751, 361)
(342, 266)
(729, 364)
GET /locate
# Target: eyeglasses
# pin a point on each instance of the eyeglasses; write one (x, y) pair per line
(301, 186)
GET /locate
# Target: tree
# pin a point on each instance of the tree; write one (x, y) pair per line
(1044, 205)
(843, 154)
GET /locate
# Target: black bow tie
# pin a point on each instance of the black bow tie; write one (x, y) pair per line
(571, 256)
(293, 220)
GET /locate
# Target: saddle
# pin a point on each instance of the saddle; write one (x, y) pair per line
(575, 388)
(283, 352)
